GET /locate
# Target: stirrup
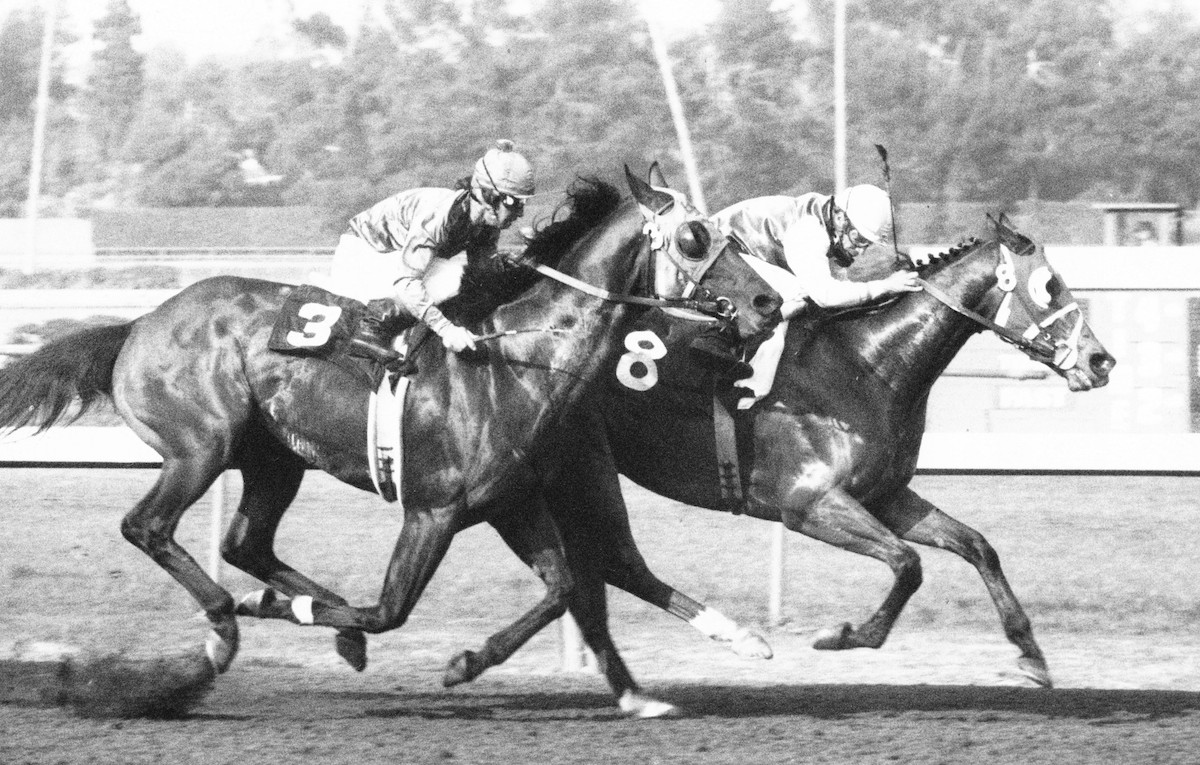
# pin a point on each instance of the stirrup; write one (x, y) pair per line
(365, 348)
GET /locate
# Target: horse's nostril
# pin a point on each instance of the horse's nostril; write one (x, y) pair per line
(1102, 363)
(764, 304)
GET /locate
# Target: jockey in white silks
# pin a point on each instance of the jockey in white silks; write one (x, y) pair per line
(411, 247)
(794, 239)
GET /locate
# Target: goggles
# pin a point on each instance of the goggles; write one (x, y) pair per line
(496, 200)
(856, 239)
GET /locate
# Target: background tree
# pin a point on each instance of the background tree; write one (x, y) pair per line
(983, 101)
(115, 84)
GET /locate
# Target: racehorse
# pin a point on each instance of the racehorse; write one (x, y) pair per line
(831, 450)
(195, 379)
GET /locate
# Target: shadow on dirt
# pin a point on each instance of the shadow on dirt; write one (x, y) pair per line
(830, 702)
(823, 702)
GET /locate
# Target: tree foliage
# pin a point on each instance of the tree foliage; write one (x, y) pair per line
(976, 100)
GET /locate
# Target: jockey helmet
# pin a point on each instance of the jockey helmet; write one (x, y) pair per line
(868, 209)
(504, 171)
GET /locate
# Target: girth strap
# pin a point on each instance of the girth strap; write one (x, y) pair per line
(729, 473)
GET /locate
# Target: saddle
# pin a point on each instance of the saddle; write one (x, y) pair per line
(318, 323)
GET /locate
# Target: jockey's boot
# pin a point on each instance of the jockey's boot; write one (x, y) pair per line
(373, 339)
(716, 349)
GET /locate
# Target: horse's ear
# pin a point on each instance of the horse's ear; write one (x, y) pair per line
(997, 225)
(656, 177)
(647, 196)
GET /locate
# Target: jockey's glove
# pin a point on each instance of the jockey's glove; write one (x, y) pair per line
(456, 338)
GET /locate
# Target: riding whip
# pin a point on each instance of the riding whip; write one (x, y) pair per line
(510, 332)
(887, 182)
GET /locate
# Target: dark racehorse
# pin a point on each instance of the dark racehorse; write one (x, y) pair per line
(197, 382)
(831, 450)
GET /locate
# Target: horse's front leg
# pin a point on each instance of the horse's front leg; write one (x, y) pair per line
(588, 498)
(533, 536)
(269, 484)
(838, 519)
(918, 520)
(423, 542)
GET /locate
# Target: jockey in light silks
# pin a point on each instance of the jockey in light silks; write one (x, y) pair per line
(411, 247)
(796, 238)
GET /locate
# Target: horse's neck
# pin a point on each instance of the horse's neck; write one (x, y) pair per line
(911, 345)
(585, 326)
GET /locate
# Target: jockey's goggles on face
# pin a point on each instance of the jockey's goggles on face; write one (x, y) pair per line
(856, 239)
(496, 199)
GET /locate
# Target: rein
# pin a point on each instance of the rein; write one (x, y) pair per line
(1033, 346)
(720, 307)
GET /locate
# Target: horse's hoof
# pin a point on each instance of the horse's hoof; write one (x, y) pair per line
(646, 708)
(1036, 670)
(462, 669)
(834, 639)
(221, 647)
(351, 645)
(750, 645)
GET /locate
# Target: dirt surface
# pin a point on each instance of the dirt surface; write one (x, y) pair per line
(920, 699)
(1106, 570)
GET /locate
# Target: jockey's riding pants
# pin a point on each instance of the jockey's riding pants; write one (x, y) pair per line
(361, 272)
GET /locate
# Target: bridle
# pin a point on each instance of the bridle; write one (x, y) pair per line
(1035, 342)
(697, 297)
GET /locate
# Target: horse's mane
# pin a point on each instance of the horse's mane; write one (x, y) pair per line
(491, 281)
(939, 260)
(1005, 234)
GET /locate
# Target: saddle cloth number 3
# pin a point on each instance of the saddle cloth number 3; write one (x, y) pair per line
(318, 326)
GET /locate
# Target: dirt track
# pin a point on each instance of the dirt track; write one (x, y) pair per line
(921, 699)
(1110, 584)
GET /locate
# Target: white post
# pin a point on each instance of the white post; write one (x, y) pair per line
(39, 134)
(839, 94)
(775, 577)
(572, 647)
(695, 190)
(216, 528)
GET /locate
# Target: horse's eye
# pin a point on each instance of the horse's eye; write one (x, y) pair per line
(693, 240)
(1043, 286)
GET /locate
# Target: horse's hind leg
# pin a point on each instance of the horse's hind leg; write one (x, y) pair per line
(271, 477)
(150, 527)
(917, 520)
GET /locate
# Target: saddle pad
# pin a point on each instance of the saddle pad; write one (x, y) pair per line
(315, 322)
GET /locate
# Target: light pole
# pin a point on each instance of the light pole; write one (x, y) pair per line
(39, 134)
(695, 190)
(839, 94)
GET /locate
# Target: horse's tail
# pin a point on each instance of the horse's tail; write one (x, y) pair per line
(39, 389)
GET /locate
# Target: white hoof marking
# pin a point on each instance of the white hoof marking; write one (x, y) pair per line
(646, 708)
(302, 609)
(715, 625)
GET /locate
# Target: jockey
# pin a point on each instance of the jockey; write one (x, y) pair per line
(393, 249)
(796, 239)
